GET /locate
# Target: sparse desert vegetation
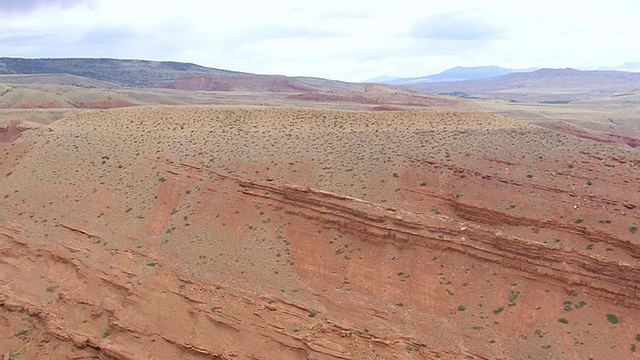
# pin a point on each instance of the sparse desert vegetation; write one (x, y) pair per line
(333, 233)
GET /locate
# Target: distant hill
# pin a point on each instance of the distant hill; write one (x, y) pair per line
(544, 85)
(157, 74)
(457, 73)
(121, 72)
(107, 83)
(257, 83)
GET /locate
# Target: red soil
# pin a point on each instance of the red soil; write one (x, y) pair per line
(11, 132)
(261, 233)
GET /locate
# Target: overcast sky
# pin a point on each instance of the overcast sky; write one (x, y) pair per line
(348, 40)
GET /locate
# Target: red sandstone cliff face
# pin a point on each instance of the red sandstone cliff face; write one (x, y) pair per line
(123, 237)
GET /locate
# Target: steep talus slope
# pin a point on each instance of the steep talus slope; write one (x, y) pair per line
(276, 232)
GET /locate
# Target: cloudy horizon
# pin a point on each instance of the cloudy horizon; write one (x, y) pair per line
(350, 41)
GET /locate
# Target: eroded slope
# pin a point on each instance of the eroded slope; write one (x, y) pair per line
(240, 232)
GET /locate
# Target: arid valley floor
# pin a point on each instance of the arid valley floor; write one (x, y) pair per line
(295, 231)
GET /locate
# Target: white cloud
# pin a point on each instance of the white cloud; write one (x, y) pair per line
(9, 7)
(350, 40)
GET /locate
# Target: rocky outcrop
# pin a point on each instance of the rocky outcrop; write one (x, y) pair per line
(473, 234)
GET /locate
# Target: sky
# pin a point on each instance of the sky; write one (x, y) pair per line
(349, 40)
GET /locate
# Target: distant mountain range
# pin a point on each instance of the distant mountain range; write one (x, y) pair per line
(460, 73)
(544, 85)
(457, 73)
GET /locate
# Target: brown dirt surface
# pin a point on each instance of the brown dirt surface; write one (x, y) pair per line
(35, 96)
(240, 83)
(612, 119)
(239, 232)
(381, 97)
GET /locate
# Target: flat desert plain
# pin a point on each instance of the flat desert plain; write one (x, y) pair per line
(241, 232)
